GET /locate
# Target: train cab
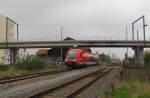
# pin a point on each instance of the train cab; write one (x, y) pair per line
(76, 58)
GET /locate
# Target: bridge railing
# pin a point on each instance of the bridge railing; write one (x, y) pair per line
(76, 38)
(80, 38)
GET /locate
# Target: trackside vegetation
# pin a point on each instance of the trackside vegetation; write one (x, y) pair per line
(129, 89)
(136, 84)
(30, 64)
(147, 58)
(105, 58)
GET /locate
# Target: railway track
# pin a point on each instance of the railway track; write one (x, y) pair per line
(73, 88)
(24, 77)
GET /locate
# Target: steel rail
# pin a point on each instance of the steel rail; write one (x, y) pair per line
(76, 92)
(24, 77)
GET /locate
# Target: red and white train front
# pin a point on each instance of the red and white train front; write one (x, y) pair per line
(76, 58)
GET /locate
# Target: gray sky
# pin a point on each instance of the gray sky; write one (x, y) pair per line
(81, 19)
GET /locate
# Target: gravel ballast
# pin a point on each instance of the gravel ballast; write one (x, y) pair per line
(96, 89)
(30, 89)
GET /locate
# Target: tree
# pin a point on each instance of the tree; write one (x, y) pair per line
(104, 58)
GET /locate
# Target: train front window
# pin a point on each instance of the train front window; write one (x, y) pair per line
(71, 55)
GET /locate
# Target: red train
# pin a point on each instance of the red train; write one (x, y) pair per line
(76, 58)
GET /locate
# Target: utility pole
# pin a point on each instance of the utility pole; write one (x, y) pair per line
(132, 31)
(109, 52)
(127, 40)
(137, 35)
(6, 31)
(17, 44)
(144, 28)
(138, 42)
(61, 50)
(144, 25)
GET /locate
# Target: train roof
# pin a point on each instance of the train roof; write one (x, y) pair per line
(79, 50)
(76, 49)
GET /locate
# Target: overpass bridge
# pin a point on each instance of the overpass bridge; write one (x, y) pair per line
(137, 46)
(78, 43)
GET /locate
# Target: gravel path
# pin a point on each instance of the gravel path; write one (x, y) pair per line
(28, 89)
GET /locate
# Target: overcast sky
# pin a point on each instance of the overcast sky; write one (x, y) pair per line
(83, 19)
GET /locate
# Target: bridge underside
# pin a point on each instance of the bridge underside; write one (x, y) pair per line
(137, 46)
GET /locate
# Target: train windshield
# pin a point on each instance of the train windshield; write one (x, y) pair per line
(71, 55)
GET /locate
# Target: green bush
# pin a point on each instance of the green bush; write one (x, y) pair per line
(147, 57)
(32, 62)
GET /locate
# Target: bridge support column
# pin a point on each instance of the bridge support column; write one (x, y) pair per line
(13, 55)
(139, 55)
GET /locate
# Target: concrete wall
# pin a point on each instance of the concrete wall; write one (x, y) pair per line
(12, 32)
(1, 56)
(2, 36)
(2, 29)
(11, 37)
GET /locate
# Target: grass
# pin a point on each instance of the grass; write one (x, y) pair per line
(137, 85)
(121, 91)
(141, 74)
(129, 89)
(13, 70)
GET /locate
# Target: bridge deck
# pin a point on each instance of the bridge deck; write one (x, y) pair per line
(72, 43)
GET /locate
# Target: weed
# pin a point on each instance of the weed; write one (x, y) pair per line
(130, 89)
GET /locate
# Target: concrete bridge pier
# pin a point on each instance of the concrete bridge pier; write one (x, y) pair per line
(13, 55)
(139, 55)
